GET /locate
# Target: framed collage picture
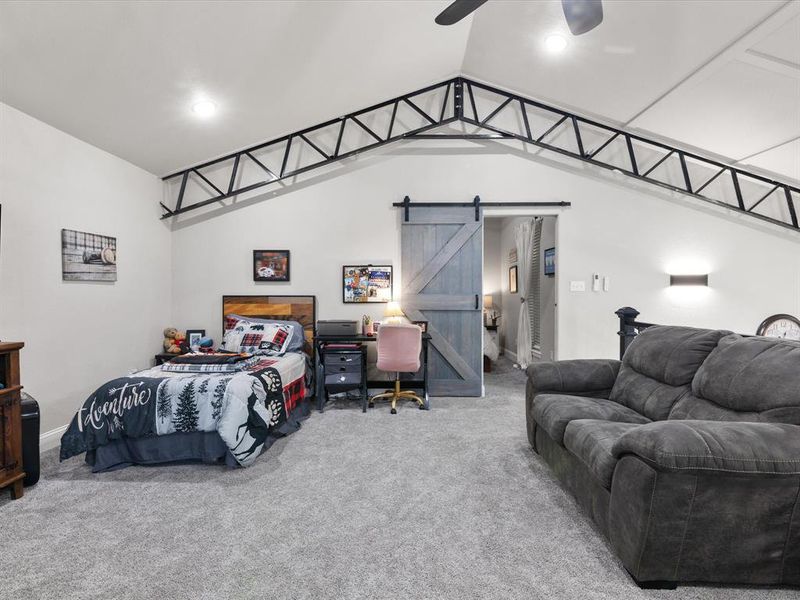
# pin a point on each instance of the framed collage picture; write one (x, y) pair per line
(366, 283)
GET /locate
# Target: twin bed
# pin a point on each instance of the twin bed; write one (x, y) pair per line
(202, 413)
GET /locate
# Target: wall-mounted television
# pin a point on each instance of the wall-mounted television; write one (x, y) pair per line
(550, 262)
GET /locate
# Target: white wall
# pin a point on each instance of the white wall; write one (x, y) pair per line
(548, 305)
(492, 262)
(613, 228)
(77, 335)
(511, 302)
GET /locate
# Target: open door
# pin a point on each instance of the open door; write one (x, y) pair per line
(442, 282)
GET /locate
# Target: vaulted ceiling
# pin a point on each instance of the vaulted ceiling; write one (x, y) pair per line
(722, 77)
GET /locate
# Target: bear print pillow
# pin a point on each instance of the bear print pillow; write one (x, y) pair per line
(256, 338)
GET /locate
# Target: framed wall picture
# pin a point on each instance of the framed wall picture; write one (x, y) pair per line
(88, 256)
(366, 283)
(512, 279)
(550, 262)
(193, 336)
(270, 265)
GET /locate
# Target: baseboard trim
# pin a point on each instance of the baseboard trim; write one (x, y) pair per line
(510, 354)
(50, 439)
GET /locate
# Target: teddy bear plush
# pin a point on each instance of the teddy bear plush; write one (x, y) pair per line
(174, 341)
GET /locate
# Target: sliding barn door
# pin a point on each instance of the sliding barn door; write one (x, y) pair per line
(442, 277)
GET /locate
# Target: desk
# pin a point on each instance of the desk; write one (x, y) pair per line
(405, 384)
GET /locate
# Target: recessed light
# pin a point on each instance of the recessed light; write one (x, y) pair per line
(555, 42)
(204, 108)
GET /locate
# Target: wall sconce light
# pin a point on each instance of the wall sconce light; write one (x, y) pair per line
(688, 280)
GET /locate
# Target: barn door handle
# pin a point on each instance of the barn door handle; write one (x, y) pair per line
(477, 302)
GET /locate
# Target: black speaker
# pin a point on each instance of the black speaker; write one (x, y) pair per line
(30, 439)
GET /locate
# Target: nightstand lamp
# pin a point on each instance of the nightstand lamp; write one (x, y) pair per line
(393, 312)
(490, 313)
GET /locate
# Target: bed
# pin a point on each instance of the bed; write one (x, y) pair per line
(191, 413)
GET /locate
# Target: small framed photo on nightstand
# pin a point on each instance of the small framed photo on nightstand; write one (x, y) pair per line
(193, 336)
(422, 325)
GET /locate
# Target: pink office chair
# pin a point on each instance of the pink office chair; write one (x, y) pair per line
(398, 350)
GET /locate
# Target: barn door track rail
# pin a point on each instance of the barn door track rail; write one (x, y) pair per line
(476, 203)
(494, 114)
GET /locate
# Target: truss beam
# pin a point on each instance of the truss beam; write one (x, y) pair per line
(554, 130)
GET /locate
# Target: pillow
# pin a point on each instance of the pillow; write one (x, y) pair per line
(297, 342)
(257, 338)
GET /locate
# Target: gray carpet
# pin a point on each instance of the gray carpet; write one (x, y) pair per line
(450, 503)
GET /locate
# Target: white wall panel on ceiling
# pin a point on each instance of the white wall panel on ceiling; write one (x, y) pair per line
(782, 159)
(736, 111)
(639, 52)
(783, 44)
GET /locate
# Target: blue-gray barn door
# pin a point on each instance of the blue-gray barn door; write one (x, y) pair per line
(442, 281)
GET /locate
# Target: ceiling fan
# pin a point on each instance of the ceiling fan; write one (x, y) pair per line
(581, 15)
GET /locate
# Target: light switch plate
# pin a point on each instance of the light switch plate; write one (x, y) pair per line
(577, 286)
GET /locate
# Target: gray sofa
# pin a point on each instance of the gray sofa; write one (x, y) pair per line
(686, 454)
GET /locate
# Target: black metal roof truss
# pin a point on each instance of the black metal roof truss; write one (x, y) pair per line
(494, 114)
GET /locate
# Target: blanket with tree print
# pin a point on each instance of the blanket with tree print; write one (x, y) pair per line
(243, 408)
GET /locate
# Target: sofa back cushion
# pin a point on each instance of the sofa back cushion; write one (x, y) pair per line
(746, 379)
(659, 366)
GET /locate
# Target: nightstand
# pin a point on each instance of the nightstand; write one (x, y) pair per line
(164, 357)
(344, 369)
(494, 334)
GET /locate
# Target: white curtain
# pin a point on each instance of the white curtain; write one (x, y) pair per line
(524, 238)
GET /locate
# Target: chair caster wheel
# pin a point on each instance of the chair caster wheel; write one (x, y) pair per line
(371, 405)
(394, 411)
(421, 407)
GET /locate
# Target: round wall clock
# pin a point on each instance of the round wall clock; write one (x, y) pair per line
(780, 326)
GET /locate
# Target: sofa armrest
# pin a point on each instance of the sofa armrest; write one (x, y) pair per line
(589, 377)
(724, 446)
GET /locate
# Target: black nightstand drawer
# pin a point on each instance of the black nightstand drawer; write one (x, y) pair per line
(342, 358)
(346, 367)
(343, 381)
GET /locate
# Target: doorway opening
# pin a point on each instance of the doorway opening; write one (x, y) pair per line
(520, 273)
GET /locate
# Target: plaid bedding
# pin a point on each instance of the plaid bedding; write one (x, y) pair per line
(237, 367)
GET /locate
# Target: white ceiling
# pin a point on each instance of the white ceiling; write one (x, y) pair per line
(721, 76)
(123, 75)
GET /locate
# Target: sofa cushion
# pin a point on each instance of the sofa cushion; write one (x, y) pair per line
(659, 365)
(706, 446)
(553, 412)
(747, 379)
(591, 440)
(692, 407)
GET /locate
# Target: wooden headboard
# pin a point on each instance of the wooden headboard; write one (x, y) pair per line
(302, 309)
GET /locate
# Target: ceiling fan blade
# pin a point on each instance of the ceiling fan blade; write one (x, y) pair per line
(582, 15)
(457, 11)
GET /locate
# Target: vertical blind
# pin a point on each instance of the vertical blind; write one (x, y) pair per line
(534, 296)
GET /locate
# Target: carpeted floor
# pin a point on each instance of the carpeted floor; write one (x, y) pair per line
(450, 503)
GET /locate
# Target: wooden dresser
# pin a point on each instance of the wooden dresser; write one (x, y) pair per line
(11, 473)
